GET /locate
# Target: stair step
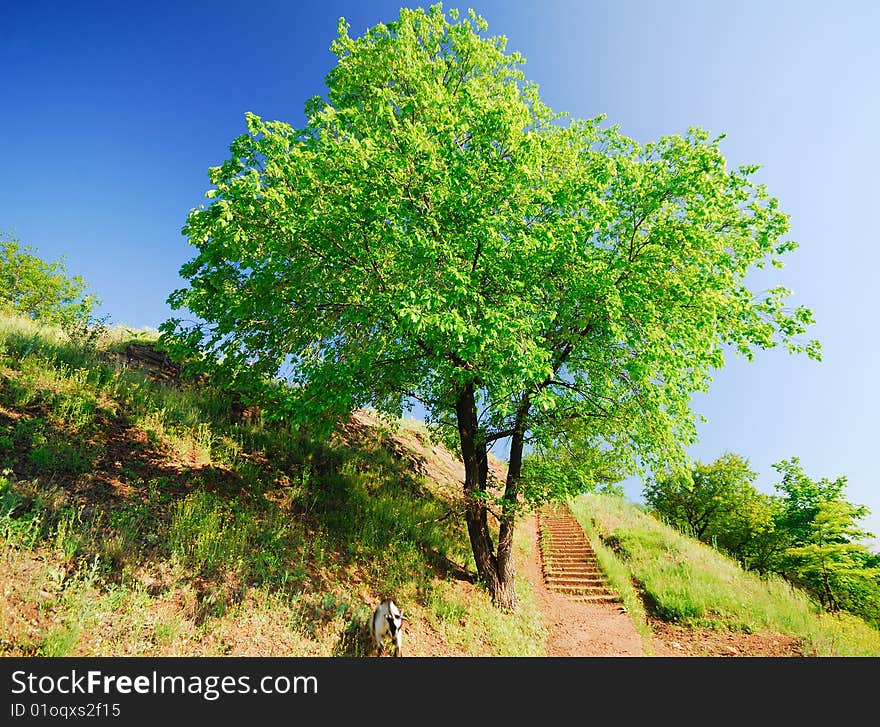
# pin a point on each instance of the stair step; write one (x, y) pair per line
(573, 532)
(580, 590)
(577, 588)
(571, 567)
(607, 598)
(569, 561)
(577, 583)
(571, 552)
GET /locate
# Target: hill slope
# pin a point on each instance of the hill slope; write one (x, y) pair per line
(141, 516)
(144, 515)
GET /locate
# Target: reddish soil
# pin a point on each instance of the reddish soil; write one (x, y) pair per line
(579, 628)
(672, 640)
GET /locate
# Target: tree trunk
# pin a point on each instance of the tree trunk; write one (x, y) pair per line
(497, 571)
(476, 467)
(831, 602)
(506, 597)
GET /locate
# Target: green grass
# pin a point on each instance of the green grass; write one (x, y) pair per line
(684, 581)
(476, 628)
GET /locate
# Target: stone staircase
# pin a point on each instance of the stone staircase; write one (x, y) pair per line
(568, 560)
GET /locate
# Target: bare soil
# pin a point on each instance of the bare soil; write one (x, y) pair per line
(576, 628)
(673, 640)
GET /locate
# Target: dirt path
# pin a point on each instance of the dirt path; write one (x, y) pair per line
(576, 628)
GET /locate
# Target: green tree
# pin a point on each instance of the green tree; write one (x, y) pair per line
(719, 504)
(435, 233)
(557, 470)
(802, 497)
(825, 552)
(31, 287)
(696, 501)
(750, 530)
(831, 562)
(862, 594)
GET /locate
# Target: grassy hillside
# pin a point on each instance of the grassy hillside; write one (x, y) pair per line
(137, 517)
(140, 516)
(665, 576)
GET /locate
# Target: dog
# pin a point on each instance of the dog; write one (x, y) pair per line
(388, 621)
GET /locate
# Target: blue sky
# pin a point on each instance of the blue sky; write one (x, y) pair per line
(113, 113)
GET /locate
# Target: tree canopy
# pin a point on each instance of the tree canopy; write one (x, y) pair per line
(699, 501)
(434, 232)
